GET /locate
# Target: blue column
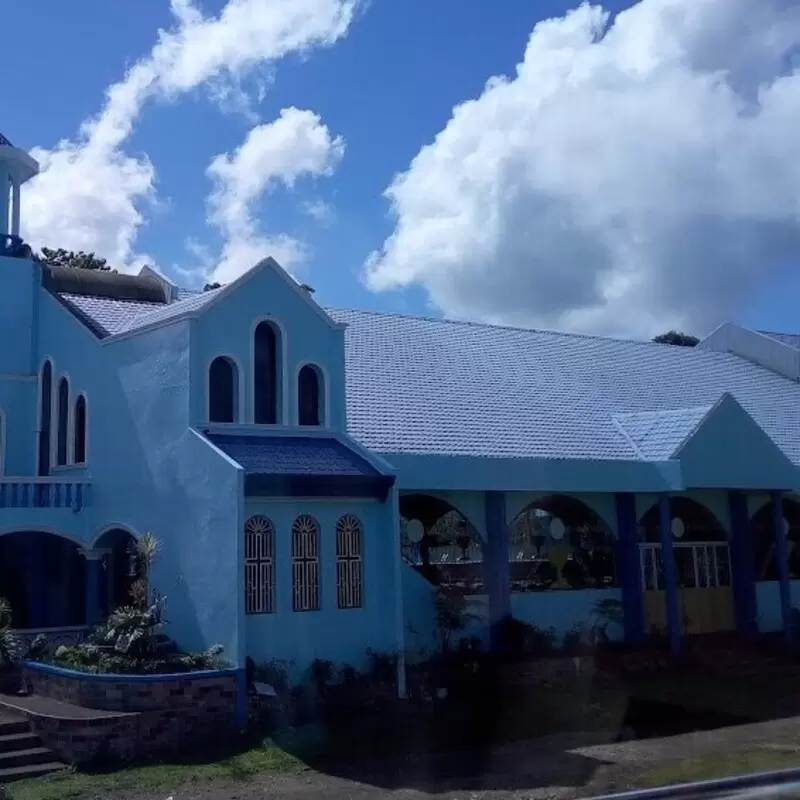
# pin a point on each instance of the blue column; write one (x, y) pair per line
(742, 573)
(670, 575)
(782, 556)
(629, 567)
(495, 562)
(93, 566)
(35, 566)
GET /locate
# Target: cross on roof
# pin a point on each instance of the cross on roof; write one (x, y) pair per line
(4, 141)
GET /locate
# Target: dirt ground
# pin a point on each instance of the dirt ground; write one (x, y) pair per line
(562, 767)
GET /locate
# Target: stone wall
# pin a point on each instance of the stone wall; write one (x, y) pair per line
(131, 718)
(197, 690)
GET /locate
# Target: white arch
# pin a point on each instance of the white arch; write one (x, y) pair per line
(283, 405)
(115, 526)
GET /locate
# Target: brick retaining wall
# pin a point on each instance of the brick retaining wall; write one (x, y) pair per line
(204, 690)
(135, 717)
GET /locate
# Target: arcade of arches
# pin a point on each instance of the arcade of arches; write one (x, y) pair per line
(560, 543)
(51, 582)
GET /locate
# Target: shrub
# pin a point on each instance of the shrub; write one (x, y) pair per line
(11, 645)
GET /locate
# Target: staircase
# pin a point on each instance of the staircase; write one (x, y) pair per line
(21, 752)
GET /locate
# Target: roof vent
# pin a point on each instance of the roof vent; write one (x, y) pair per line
(96, 283)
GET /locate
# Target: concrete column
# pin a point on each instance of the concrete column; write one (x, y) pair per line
(15, 209)
(670, 575)
(94, 566)
(5, 198)
(742, 574)
(782, 556)
(495, 561)
(629, 567)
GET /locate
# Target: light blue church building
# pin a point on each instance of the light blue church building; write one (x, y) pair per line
(313, 474)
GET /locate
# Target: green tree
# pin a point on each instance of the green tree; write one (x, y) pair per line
(676, 338)
(209, 286)
(69, 258)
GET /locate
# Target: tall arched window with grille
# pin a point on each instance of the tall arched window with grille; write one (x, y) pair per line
(349, 563)
(266, 374)
(259, 565)
(79, 443)
(305, 564)
(63, 421)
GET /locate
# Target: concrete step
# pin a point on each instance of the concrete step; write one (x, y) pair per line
(25, 758)
(9, 725)
(33, 771)
(18, 741)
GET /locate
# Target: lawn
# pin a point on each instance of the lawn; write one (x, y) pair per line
(707, 767)
(261, 759)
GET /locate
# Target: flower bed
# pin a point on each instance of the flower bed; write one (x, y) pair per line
(131, 717)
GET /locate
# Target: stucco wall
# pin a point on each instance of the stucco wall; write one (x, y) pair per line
(227, 329)
(340, 635)
(768, 604)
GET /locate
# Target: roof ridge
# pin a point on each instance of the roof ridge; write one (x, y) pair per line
(498, 326)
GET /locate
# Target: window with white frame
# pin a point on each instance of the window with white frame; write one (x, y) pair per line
(349, 563)
(259, 565)
(305, 564)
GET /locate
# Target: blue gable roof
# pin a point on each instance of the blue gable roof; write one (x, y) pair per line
(293, 465)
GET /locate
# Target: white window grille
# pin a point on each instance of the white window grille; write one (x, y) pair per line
(259, 565)
(349, 563)
(305, 564)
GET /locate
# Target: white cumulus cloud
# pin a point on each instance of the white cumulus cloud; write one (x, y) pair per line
(91, 194)
(295, 144)
(632, 176)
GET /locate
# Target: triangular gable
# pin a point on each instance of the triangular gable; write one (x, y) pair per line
(729, 450)
(656, 435)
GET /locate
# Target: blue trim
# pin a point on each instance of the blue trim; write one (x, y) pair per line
(782, 555)
(742, 574)
(262, 485)
(496, 569)
(241, 698)
(629, 567)
(670, 575)
(62, 672)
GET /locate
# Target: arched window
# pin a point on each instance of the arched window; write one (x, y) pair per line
(349, 564)
(259, 565)
(222, 390)
(305, 564)
(63, 421)
(79, 442)
(266, 374)
(45, 410)
(309, 390)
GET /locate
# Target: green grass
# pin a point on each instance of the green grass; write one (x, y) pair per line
(710, 767)
(264, 758)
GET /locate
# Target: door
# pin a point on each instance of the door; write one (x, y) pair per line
(705, 593)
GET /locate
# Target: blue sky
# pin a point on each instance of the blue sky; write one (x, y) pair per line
(386, 87)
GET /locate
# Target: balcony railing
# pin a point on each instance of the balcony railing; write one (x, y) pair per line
(43, 493)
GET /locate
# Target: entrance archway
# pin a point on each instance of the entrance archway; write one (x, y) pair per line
(762, 534)
(450, 551)
(120, 569)
(703, 567)
(43, 576)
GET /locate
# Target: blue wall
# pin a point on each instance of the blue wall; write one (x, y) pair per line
(563, 610)
(341, 635)
(768, 604)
